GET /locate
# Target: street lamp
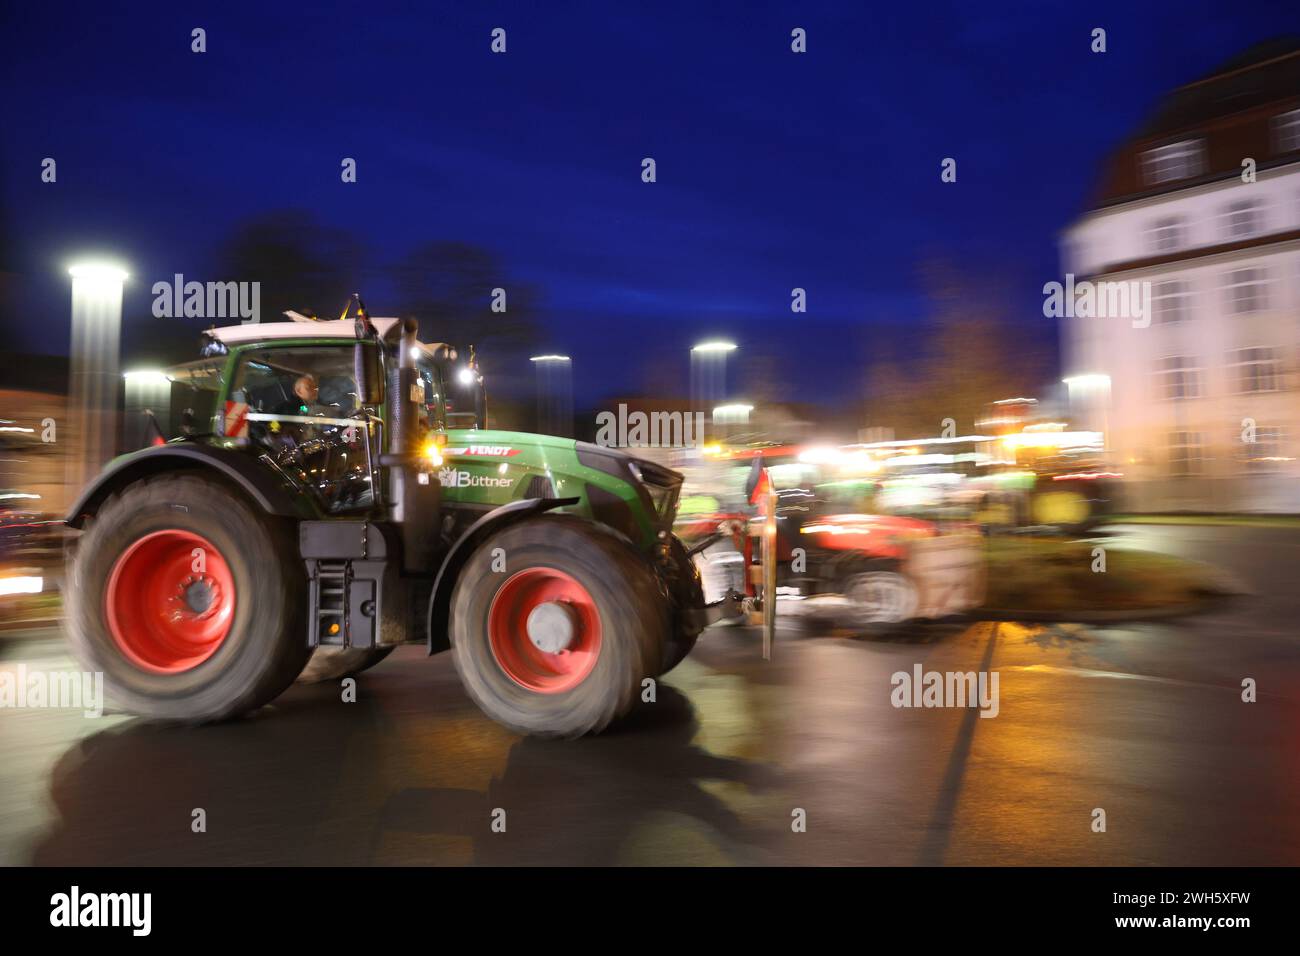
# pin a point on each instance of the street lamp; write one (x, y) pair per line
(93, 365)
(734, 414)
(725, 417)
(709, 373)
(1089, 380)
(1090, 392)
(554, 394)
(101, 273)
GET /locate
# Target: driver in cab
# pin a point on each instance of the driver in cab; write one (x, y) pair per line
(305, 403)
(307, 393)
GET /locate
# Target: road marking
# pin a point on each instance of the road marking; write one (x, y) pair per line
(939, 832)
(1116, 675)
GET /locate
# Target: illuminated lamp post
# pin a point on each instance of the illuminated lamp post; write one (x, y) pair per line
(554, 394)
(93, 367)
(1089, 401)
(726, 417)
(709, 375)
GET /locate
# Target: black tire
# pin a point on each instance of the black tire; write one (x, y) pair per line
(679, 644)
(688, 593)
(335, 663)
(265, 647)
(632, 611)
(881, 579)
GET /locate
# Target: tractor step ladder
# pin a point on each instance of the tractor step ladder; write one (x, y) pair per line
(331, 582)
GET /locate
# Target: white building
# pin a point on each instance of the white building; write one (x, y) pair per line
(1202, 405)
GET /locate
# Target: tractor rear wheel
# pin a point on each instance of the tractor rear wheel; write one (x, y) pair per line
(881, 596)
(187, 600)
(335, 663)
(557, 643)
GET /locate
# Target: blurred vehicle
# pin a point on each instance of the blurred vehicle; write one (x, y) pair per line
(346, 498)
(1023, 471)
(28, 536)
(830, 540)
(31, 544)
(1042, 473)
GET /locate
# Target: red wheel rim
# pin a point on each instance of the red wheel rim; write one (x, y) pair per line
(163, 615)
(518, 656)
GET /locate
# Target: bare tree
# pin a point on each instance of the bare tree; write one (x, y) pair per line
(972, 354)
(301, 264)
(450, 287)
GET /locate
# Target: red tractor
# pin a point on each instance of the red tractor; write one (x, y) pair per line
(828, 539)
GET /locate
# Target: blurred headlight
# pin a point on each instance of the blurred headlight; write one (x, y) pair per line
(21, 585)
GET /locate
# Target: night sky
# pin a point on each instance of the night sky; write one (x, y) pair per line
(775, 170)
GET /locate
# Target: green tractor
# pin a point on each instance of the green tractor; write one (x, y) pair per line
(348, 498)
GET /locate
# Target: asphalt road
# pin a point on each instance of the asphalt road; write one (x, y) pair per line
(1144, 721)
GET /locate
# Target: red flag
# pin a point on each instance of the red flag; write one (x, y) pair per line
(761, 489)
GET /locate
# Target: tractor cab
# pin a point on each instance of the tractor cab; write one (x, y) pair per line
(309, 396)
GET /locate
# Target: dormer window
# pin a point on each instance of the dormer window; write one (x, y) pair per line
(1286, 132)
(1176, 161)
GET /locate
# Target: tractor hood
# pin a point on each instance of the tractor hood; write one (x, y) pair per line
(491, 443)
(549, 450)
(485, 465)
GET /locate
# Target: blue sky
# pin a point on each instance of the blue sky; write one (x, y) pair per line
(775, 170)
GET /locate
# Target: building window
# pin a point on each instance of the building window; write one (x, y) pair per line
(1186, 454)
(1286, 131)
(1176, 161)
(1167, 235)
(1246, 291)
(1265, 453)
(1170, 301)
(1255, 369)
(1178, 377)
(1242, 220)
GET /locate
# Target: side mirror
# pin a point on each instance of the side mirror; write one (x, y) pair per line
(365, 369)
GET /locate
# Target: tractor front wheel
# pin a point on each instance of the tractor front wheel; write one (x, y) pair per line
(554, 624)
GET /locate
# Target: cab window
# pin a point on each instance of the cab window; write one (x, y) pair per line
(298, 404)
(304, 381)
(431, 409)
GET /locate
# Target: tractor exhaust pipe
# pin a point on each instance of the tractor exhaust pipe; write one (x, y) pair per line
(415, 493)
